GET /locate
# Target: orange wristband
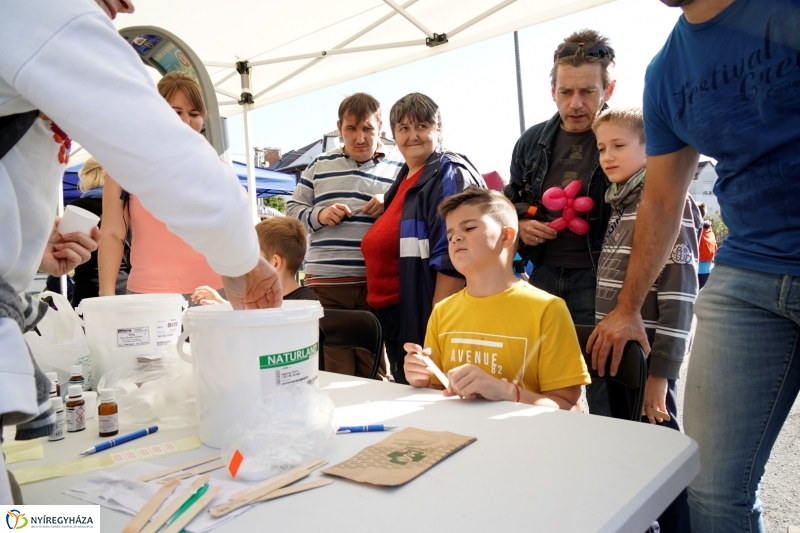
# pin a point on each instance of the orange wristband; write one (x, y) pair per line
(519, 392)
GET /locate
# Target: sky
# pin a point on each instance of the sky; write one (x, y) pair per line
(475, 86)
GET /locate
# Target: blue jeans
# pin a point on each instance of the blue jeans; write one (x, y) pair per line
(577, 287)
(744, 376)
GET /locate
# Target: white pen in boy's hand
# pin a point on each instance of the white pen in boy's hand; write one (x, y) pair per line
(436, 372)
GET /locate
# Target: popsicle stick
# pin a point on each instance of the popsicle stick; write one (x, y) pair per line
(195, 471)
(184, 519)
(149, 509)
(652, 411)
(302, 487)
(436, 372)
(168, 471)
(310, 466)
(160, 519)
(278, 482)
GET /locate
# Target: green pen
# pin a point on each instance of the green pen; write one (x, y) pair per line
(193, 498)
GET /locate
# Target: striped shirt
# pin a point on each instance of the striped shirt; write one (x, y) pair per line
(333, 177)
(669, 305)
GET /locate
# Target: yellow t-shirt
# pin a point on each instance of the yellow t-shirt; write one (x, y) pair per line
(523, 335)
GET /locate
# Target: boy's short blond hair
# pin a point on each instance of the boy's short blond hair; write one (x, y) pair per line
(285, 237)
(491, 203)
(630, 118)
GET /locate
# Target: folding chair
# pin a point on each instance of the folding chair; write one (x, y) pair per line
(632, 371)
(345, 329)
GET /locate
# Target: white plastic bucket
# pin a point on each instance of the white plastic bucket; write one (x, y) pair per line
(119, 329)
(240, 355)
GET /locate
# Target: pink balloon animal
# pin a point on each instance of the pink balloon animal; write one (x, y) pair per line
(556, 198)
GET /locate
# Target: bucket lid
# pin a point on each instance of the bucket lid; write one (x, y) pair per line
(222, 315)
(130, 302)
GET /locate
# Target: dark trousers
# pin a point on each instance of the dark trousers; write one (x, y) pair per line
(577, 287)
(350, 362)
(389, 317)
(675, 519)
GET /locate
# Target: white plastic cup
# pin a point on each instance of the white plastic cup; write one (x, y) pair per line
(77, 220)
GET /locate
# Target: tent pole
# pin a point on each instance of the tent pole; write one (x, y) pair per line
(520, 105)
(247, 104)
(60, 211)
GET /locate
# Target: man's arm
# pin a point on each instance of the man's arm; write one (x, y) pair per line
(657, 224)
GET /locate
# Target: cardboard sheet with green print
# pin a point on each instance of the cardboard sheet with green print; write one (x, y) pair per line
(400, 458)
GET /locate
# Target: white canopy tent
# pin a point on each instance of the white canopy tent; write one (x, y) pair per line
(258, 53)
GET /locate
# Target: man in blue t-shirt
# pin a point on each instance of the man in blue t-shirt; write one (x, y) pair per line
(727, 84)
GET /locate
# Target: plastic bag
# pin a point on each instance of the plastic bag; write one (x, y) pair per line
(159, 391)
(282, 430)
(60, 342)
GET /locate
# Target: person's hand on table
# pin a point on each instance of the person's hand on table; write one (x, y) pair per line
(64, 252)
(258, 289)
(613, 333)
(414, 367)
(205, 295)
(655, 396)
(532, 232)
(472, 382)
(334, 214)
(374, 207)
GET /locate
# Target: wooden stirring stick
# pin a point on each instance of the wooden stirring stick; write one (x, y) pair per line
(173, 507)
(295, 489)
(310, 466)
(149, 509)
(194, 472)
(652, 411)
(278, 482)
(184, 519)
(168, 471)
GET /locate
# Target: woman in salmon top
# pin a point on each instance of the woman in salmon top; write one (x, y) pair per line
(161, 262)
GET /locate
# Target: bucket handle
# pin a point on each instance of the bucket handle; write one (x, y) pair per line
(181, 340)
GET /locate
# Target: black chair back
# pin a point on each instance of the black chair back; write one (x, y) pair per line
(632, 371)
(345, 329)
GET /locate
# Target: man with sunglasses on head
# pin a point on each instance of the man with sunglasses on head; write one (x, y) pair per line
(554, 154)
(726, 84)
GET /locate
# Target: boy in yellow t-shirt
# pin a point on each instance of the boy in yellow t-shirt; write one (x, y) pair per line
(499, 338)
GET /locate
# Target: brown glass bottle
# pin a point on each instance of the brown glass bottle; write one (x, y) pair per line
(76, 409)
(107, 414)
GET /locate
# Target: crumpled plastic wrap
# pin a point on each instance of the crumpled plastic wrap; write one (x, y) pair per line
(286, 428)
(157, 392)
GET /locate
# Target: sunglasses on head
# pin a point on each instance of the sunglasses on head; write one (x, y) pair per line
(589, 50)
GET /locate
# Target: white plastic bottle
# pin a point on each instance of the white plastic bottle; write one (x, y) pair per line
(58, 407)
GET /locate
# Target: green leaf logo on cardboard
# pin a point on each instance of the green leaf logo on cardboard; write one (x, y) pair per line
(405, 457)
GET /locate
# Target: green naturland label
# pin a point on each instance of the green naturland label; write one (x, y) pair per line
(288, 358)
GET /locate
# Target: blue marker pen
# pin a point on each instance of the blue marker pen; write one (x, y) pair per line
(364, 429)
(125, 438)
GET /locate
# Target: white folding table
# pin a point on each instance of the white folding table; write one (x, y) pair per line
(531, 469)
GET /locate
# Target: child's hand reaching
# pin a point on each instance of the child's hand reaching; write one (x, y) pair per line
(471, 382)
(205, 295)
(655, 396)
(416, 371)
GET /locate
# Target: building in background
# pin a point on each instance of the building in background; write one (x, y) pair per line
(296, 161)
(702, 187)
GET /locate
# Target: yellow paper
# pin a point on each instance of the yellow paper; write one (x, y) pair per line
(90, 463)
(18, 451)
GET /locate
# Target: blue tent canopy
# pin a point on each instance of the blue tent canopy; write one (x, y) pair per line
(268, 182)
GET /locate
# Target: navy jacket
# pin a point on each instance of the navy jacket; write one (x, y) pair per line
(529, 164)
(423, 237)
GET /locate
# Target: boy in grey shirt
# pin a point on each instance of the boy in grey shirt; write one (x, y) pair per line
(668, 308)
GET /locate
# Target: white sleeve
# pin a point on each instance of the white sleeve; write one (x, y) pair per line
(86, 78)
